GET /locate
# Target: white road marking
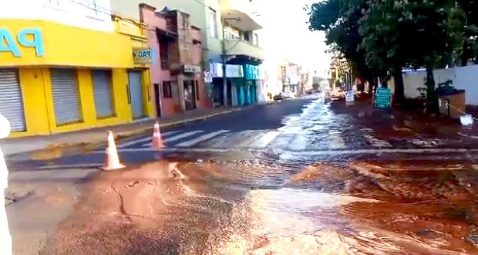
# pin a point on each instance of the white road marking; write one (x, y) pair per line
(264, 140)
(375, 142)
(336, 141)
(298, 154)
(382, 151)
(245, 138)
(51, 167)
(299, 143)
(175, 138)
(169, 149)
(142, 140)
(201, 138)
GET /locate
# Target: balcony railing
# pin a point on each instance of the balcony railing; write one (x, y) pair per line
(242, 47)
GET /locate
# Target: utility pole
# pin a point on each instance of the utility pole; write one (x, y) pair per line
(224, 64)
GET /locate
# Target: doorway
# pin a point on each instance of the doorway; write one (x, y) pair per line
(189, 95)
(136, 94)
(157, 101)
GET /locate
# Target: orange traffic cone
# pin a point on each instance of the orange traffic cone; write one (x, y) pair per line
(112, 160)
(157, 140)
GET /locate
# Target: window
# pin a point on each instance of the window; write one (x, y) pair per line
(167, 90)
(212, 23)
(196, 88)
(247, 36)
(163, 54)
(256, 39)
(230, 34)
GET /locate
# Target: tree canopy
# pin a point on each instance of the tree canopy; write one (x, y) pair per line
(386, 35)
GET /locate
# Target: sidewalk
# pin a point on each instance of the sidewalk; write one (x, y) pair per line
(407, 117)
(95, 135)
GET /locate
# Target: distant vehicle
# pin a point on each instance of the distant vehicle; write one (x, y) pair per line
(289, 95)
(284, 96)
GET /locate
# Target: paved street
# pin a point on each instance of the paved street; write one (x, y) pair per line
(296, 177)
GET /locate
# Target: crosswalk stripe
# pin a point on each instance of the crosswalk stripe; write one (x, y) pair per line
(375, 142)
(244, 139)
(177, 137)
(336, 141)
(264, 140)
(299, 143)
(142, 140)
(201, 138)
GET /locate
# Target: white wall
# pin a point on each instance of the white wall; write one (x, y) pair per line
(463, 78)
(89, 14)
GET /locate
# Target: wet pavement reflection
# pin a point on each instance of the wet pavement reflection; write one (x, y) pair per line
(266, 204)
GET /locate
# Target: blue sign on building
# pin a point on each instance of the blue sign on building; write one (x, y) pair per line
(27, 37)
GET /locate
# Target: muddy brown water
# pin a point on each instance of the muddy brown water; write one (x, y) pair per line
(260, 207)
(267, 205)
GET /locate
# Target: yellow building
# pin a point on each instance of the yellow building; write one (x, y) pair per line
(56, 77)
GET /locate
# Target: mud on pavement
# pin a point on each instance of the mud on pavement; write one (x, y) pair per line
(254, 207)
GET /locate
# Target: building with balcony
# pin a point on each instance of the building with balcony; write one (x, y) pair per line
(67, 66)
(176, 71)
(233, 22)
(242, 47)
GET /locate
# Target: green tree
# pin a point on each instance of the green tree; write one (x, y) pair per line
(470, 44)
(413, 33)
(340, 21)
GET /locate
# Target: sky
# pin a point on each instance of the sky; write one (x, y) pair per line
(285, 34)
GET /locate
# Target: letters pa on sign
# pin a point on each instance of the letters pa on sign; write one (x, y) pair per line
(143, 55)
(27, 37)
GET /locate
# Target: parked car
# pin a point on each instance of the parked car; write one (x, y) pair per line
(283, 96)
(289, 95)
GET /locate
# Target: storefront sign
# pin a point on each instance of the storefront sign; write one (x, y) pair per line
(191, 69)
(232, 71)
(143, 55)
(383, 98)
(27, 37)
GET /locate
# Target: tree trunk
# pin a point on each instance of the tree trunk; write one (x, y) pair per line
(371, 83)
(464, 54)
(399, 87)
(432, 99)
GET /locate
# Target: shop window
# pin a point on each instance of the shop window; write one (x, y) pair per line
(196, 88)
(167, 90)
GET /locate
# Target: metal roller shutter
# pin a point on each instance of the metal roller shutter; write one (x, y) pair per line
(11, 100)
(102, 92)
(66, 98)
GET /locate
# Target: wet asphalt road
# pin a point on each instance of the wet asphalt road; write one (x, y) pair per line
(297, 177)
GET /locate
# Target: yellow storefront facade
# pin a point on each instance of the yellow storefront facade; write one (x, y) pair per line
(57, 78)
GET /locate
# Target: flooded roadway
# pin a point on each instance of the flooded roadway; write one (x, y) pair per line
(285, 201)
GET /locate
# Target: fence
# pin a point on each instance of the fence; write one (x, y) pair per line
(465, 77)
